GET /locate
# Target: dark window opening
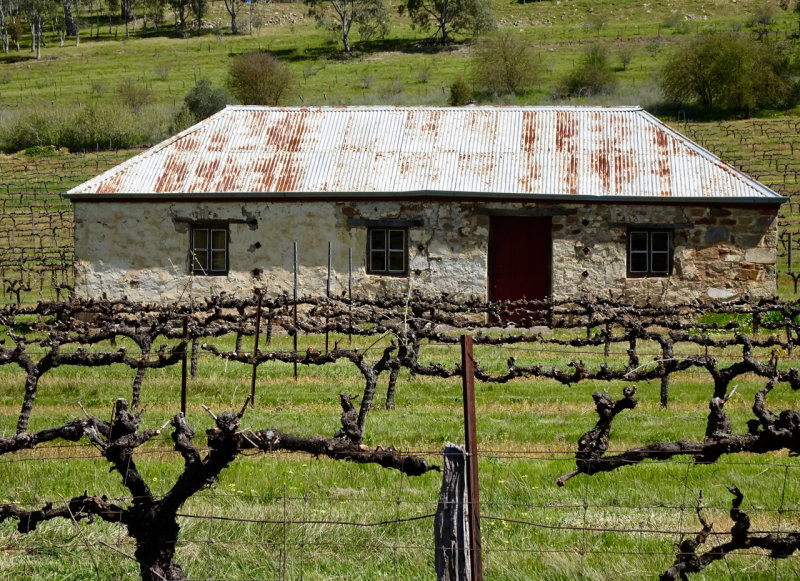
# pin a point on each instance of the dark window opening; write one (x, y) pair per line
(209, 251)
(387, 251)
(649, 253)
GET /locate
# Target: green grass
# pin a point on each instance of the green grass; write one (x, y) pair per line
(529, 418)
(75, 75)
(527, 432)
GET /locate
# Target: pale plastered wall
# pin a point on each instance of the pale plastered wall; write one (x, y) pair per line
(139, 250)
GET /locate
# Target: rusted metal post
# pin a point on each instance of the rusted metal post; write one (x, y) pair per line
(295, 308)
(183, 363)
(328, 296)
(471, 444)
(255, 351)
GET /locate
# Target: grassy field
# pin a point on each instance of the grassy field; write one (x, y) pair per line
(527, 431)
(400, 69)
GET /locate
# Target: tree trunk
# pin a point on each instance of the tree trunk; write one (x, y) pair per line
(230, 6)
(137, 381)
(155, 547)
(31, 385)
(125, 10)
(38, 38)
(69, 22)
(392, 386)
(345, 34)
(3, 30)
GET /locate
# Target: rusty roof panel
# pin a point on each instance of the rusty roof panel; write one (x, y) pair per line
(558, 152)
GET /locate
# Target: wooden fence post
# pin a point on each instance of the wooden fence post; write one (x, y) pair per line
(451, 525)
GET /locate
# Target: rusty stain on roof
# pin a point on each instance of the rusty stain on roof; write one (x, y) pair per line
(602, 152)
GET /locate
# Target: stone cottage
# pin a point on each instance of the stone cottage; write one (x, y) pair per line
(494, 202)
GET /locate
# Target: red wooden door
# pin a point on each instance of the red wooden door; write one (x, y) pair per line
(520, 250)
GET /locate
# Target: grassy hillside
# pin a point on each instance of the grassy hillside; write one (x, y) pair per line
(400, 69)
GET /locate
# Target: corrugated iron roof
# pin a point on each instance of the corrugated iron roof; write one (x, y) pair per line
(554, 152)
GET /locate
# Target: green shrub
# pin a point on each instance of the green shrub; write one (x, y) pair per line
(593, 75)
(728, 73)
(258, 78)
(133, 94)
(460, 92)
(504, 64)
(203, 101)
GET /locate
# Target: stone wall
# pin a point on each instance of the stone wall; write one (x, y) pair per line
(141, 249)
(719, 253)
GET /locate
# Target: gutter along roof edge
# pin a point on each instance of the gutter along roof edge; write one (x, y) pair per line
(422, 194)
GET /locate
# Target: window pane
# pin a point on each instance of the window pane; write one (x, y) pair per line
(638, 262)
(200, 238)
(218, 239)
(377, 262)
(660, 262)
(397, 240)
(660, 241)
(218, 260)
(378, 241)
(200, 260)
(638, 241)
(397, 262)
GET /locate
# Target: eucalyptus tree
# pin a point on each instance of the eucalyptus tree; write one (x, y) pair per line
(8, 11)
(37, 11)
(179, 9)
(70, 21)
(447, 16)
(199, 10)
(230, 6)
(371, 16)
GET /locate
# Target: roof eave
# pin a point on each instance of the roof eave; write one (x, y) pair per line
(426, 194)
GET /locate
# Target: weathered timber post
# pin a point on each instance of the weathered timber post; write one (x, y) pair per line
(451, 525)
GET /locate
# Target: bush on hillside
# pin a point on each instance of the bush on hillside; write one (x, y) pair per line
(460, 93)
(504, 64)
(728, 73)
(258, 78)
(133, 94)
(203, 100)
(594, 75)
